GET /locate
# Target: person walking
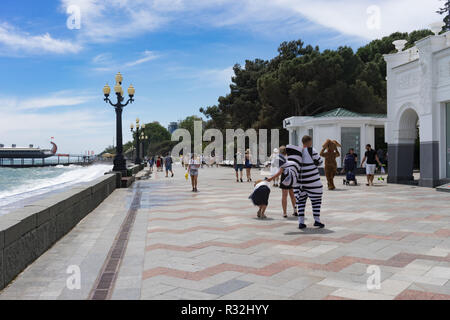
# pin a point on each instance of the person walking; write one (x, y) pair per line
(238, 165)
(372, 160)
(248, 165)
(286, 183)
(152, 163)
(310, 186)
(168, 163)
(274, 166)
(193, 166)
(162, 163)
(350, 165)
(158, 163)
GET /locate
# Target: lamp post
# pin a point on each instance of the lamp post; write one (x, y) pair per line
(143, 139)
(137, 133)
(119, 159)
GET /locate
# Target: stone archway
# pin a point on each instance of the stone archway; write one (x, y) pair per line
(401, 154)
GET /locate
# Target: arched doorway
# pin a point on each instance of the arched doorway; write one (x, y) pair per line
(405, 155)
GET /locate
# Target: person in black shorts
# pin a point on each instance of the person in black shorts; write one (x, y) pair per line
(238, 165)
(372, 160)
(285, 190)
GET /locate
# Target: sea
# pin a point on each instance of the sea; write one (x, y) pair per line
(22, 186)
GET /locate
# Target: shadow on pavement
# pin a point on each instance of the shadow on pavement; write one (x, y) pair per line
(309, 231)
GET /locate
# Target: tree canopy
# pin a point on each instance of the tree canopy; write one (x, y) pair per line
(445, 10)
(302, 80)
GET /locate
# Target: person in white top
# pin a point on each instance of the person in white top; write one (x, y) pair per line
(194, 164)
(274, 166)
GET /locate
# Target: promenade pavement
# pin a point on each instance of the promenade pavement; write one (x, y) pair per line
(158, 240)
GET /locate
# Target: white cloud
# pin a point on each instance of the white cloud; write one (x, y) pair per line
(21, 42)
(202, 78)
(111, 20)
(216, 77)
(74, 130)
(105, 63)
(147, 56)
(351, 16)
(77, 128)
(57, 99)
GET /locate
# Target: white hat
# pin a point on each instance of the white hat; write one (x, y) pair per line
(275, 150)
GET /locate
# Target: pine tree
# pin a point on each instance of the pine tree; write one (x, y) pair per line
(446, 11)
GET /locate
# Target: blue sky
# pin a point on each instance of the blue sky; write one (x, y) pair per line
(178, 54)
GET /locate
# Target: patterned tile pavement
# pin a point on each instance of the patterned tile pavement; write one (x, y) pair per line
(210, 245)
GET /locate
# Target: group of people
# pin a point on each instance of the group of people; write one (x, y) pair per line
(162, 162)
(296, 171)
(371, 159)
(208, 161)
(299, 178)
(241, 162)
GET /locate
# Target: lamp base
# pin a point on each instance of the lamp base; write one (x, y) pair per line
(120, 164)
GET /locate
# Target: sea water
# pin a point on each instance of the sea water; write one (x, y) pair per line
(19, 187)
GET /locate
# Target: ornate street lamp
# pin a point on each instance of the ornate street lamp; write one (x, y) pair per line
(143, 139)
(137, 133)
(119, 159)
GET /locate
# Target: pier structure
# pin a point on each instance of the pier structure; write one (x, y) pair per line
(56, 160)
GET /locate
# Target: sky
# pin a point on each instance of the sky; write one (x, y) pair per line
(56, 56)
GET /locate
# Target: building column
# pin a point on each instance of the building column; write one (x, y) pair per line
(429, 164)
(400, 162)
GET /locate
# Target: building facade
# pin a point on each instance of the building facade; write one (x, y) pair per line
(418, 103)
(350, 129)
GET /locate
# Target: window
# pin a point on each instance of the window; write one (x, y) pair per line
(350, 138)
(294, 138)
(311, 133)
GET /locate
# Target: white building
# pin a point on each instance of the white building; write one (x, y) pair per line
(350, 129)
(418, 90)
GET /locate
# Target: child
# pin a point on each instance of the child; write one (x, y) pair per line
(260, 197)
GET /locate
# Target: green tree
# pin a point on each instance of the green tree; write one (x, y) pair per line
(446, 12)
(188, 124)
(156, 132)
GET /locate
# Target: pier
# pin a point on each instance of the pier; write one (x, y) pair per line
(56, 160)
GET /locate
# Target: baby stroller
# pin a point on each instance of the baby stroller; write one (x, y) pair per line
(350, 167)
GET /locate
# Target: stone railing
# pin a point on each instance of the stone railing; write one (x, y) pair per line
(25, 234)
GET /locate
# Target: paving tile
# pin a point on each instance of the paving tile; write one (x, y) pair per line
(210, 245)
(360, 295)
(439, 272)
(227, 287)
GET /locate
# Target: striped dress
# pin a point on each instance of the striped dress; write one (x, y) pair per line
(291, 167)
(309, 185)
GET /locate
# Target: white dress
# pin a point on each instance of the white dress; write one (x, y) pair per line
(274, 166)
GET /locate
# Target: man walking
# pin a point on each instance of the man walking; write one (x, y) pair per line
(168, 164)
(372, 160)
